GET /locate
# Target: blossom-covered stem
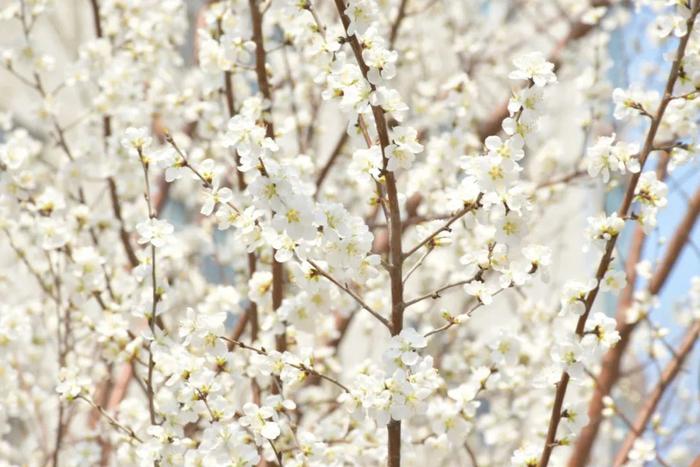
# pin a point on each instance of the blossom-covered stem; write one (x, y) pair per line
(154, 297)
(203, 398)
(62, 347)
(151, 324)
(260, 68)
(231, 110)
(111, 183)
(395, 230)
(256, 17)
(23, 257)
(452, 321)
(611, 362)
(381, 202)
(648, 146)
(206, 182)
(396, 275)
(37, 84)
(396, 24)
(251, 315)
(550, 441)
(394, 396)
(302, 368)
(667, 377)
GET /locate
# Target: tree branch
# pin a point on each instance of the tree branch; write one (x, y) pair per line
(550, 441)
(647, 411)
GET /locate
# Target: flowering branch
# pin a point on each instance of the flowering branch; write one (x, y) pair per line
(395, 230)
(256, 17)
(300, 367)
(604, 263)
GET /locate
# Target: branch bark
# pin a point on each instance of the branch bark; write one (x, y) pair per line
(667, 377)
(256, 18)
(612, 360)
(395, 230)
(550, 441)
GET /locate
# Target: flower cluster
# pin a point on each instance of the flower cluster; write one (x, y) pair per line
(312, 233)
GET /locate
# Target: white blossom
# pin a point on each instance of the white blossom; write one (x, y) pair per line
(157, 232)
(533, 66)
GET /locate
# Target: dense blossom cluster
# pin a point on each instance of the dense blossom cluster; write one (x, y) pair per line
(310, 233)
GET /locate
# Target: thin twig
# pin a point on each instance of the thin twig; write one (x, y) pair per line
(445, 227)
(112, 421)
(649, 407)
(350, 292)
(301, 367)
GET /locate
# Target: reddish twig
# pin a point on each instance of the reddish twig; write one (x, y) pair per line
(647, 410)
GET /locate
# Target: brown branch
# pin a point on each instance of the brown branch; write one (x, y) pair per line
(612, 361)
(444, 228)
(106, 133)
(256, 17)
(453, 321)
(395, 229)
(400, 15)
(562, 179)
(231, 108)
(331, 160)
(550, 441)
(251, 312)
(342, 324)
(23, 257)
(647, 411)
(155, 295)
(112, 421)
